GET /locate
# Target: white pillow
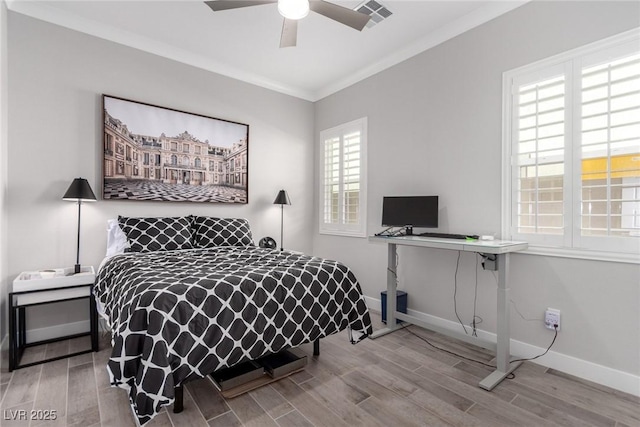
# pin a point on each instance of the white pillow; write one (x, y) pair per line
(116, 239)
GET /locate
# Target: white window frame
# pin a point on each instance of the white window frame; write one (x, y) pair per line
(342, 229)
(571, 244)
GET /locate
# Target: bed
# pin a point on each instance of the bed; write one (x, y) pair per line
(181, 311)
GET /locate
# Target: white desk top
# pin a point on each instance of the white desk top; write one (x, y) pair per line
(481, 246)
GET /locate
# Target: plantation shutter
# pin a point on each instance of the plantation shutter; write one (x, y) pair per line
(343, 180)
(332, 183)
(351, 173)
(573, 129)
(539, 137)
(610, 148)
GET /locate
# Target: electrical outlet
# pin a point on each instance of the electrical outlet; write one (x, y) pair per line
(552, 319)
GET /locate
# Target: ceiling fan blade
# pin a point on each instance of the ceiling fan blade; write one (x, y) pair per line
(289, 35)
(218, 5)
(341, 14)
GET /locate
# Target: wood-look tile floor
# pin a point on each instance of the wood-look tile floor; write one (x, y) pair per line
(395, 380)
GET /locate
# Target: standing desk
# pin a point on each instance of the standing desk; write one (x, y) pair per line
(501, 250)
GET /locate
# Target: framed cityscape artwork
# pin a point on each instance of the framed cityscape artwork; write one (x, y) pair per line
(161, 154)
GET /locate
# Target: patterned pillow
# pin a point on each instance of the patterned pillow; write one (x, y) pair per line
(210, 232)
(157, 234)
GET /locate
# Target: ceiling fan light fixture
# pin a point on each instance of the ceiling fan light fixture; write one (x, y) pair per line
(293, 9)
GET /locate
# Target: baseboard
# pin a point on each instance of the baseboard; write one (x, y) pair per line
(56, 331)
(590, 371)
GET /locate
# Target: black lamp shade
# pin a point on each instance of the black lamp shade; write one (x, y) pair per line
(282, 198)
(79, 190)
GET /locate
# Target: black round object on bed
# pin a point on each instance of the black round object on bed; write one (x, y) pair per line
(267, 243)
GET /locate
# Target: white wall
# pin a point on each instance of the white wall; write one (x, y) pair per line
(57, 78)
(435, 129)
(4, 276)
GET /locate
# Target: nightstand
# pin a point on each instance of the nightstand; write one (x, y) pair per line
(32, 288)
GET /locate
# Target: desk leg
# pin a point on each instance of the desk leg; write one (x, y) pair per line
(503, 352)
(392, 271)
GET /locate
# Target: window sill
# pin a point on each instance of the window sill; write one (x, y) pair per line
(343, 233)
(626, 258)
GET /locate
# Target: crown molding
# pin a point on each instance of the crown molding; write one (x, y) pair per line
(74, 22)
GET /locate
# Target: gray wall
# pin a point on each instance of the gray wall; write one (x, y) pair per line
(4, 275)
(435, 128)
(57, 78)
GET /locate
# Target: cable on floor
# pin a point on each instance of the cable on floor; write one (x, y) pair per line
(510, 376)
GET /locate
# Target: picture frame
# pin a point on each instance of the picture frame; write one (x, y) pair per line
(154, 153)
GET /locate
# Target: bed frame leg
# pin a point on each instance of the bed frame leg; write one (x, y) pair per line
(178, 404)
(316, 347)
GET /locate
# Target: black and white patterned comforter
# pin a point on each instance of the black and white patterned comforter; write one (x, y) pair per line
(181, 315)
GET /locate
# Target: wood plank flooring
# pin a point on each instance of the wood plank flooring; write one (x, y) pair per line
(396, 380)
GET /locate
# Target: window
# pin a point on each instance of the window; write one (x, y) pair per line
(343, 179)
(108, 144)
(572, 152)
(108, 168)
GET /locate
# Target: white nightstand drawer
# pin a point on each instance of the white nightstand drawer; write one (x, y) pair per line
(51, 296)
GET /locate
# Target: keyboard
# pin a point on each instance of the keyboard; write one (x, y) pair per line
(448, 236)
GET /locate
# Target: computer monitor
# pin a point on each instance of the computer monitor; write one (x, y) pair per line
(410, 211)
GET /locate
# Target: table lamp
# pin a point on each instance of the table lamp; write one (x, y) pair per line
(282, 199)
(79, 191)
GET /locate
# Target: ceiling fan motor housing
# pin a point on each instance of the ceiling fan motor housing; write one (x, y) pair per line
(293, 9)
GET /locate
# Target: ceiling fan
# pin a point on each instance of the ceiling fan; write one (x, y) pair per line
(293, 10)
